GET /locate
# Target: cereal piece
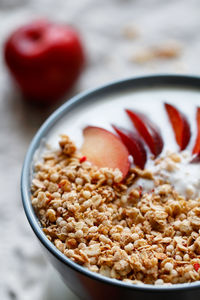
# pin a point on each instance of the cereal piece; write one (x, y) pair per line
(54, 177)
(51, 215)
(65, 185)
(53, 187)
(129, 247)
(79, 234)
(67, 145)
(79, 181)
(105, 271)
(122, 267)
(175, 157)
(159, 282)
(168, 266)
(37, 183)
(146, 174)
(59, 245)
(93, 250)
(197, 245)
(86, 194)
(166, 51)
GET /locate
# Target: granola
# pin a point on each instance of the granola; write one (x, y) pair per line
(115, 228)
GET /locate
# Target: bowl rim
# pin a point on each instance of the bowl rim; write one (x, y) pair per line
(133, 82)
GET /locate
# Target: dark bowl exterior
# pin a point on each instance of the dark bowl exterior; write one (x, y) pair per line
(82, 282)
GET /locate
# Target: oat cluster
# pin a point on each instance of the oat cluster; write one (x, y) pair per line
(112, 228)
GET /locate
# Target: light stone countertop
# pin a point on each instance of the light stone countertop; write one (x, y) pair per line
(118, 36)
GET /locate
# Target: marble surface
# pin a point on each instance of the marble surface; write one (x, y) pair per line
(56, 289)
(115, 34)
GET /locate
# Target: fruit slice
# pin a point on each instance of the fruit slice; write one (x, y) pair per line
(180, 126)
(135, 146)
(196, 149)
(195, 159)
(104, 149)
(148, 130)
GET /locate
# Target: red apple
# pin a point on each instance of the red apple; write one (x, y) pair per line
(180, 126)
(45, 59)
(148, 130)
(134, 144)
(104, 149)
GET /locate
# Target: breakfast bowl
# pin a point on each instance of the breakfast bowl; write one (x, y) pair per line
(101, 107)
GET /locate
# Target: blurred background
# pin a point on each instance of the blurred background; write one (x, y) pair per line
(121, 38)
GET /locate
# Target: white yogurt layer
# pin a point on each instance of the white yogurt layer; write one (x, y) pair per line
(103, 112)
(184, 176)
